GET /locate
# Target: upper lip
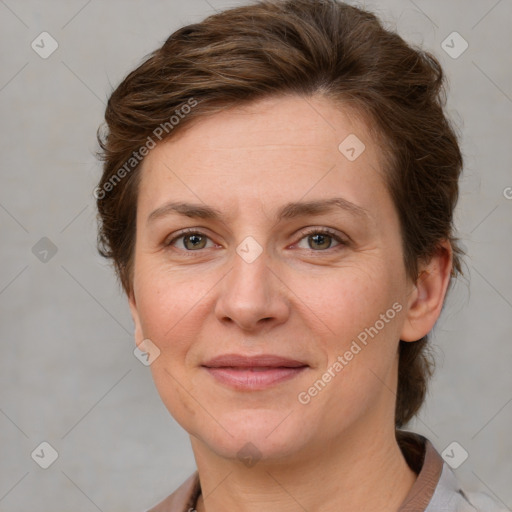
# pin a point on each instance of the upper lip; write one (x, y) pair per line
(265, 360)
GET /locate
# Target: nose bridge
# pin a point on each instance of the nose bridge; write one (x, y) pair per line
(250, 292)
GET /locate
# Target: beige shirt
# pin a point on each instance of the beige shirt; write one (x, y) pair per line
(435, 489)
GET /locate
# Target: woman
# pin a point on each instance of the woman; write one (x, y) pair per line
(277, 198)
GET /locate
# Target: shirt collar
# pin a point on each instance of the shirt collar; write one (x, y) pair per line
(426, 462)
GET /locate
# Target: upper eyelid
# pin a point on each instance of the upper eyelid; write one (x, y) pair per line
(342, 239)
(327, 231)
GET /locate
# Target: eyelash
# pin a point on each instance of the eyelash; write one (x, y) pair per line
(314, 231)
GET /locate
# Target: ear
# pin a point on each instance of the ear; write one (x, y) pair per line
(427, 295)
(138, 334)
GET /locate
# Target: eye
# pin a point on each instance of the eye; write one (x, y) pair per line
(318, 240)
(321, 239)
(191, 240)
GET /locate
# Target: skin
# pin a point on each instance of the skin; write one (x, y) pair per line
(303, 297)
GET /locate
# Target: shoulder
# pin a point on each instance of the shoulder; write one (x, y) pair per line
(437, 489)
(450, 496)
(484, 503)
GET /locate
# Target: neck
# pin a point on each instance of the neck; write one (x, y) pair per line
(363, 470)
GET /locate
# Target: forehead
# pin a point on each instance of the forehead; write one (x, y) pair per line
(272, 150)
(315, 123)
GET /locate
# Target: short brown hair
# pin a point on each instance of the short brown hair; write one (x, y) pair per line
(299, 47)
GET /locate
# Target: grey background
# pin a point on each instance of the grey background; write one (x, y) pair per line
(68, 375)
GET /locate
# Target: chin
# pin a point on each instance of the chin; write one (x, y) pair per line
(253, 434)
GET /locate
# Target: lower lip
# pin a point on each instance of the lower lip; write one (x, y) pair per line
(249, 379)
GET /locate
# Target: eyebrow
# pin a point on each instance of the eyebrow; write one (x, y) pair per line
(289, 211)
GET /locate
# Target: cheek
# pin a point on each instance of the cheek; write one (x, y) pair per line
(361, 310)
(348, 300)
(166, 302)
(167, 308)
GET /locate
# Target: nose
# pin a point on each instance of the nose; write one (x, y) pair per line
(252, 295)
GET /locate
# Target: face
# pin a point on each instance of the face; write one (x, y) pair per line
(323, 286)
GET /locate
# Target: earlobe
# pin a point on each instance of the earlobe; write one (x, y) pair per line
(428, 295)
(138, 334)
